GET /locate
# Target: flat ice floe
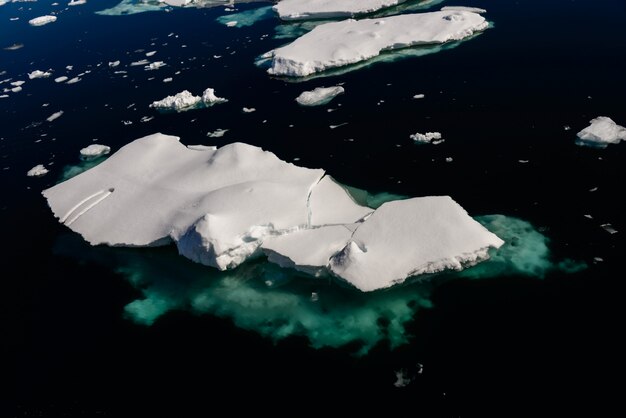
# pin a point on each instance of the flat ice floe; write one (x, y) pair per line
(184, 101)
(319, 96)
(54, 116)
(322, 9)
(42, 20)
(421, 235)
(348, 42)
(39, 74)
(223, 206)
(601, 132)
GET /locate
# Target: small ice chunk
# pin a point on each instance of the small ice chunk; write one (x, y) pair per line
(151, 53)
(76, 2)
(42, 20)
(37, 171)
(18, 83)
(155, 65)
(94, 151)
(419, 96)
(60, 79)
(167, 80)
(113, 64)
(209, 98)
(449, 159)
(248, 109)
(74, 80)
(218, 133)
(16, 89)
(231, 24)
(319, 96)
(55, 116)
(39, 74)
(609, 228)
(402, 379)
(140, 62)
(601, 132)
(179, 102)
(427, 138)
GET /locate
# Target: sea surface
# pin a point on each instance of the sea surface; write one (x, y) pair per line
(94, 331)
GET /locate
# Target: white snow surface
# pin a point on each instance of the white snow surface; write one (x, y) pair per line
(95, 150)
(601, 132)
(322, 9)
(319, 96)
(405, 238)
(222, 206)
(350, 41)
(37, 171)
(42, 20)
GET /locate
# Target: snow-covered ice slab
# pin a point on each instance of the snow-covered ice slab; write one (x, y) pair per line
(351, 41)
(322, 9)
(411, 237)
(37, 171)
(601, 132)
(42, 20)
(463, 9)
(319, 96)
(217, 205)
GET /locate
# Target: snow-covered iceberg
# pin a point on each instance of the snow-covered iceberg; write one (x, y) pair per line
(351, 41)
(224, 206)
(322, 9)
(39, 74)
(184, 101)
(601, 132)
(42, 20)
(37, 171)
(319, 96)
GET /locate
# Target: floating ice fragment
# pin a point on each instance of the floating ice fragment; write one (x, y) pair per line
(55, 116)
(76, 2)
(113, 64)
(218, 133)
(601, 132)
(140, 62)
(74, 80)
(42, 20)
(427, 138)
(209, 98)
(151, 53)
(60, 79)
(179, 102)
(231, 24)
(37, 171)
(419, 96)
(248, 109)
(94, 151)
(402, 379)
(18, 83)
(16, 89)
(39, 74)
(609, 228)
(167, 80)
(319, 96)
(155, 65)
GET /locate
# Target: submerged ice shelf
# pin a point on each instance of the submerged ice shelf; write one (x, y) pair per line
(350, 41)
(223, 206)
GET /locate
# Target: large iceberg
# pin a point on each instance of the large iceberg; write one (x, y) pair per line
(601, 132)
(42, 20)
(224, 206)
(321, 9)
(351, 41)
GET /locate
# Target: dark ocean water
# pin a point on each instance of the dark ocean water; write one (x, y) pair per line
(505, 346)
